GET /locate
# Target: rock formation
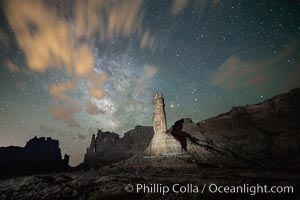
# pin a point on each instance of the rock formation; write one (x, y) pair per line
(38, 155)
(260, 135)
(266, 134)
(162, 143)
(100, 145)
(108, 147)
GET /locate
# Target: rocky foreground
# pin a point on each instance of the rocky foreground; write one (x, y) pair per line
(110, 183)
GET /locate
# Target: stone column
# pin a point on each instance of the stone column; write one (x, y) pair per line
(159, 114)
(162, 142)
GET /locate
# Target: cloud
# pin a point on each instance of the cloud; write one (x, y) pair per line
(148, 73)
(58, 89)
(123, 18)
(48, 40)
(12, 67)
(83, 61)
(178, 5)
(66, 112)
(96, 92)
(44, 38)
(201, 5)
(148, 41)
(92, 108)
(109, 19)
(236, 73)
(69, 108)
(95, 83)
(290, 49)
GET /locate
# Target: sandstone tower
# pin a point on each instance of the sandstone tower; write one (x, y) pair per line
(159, 114)
(162, 143)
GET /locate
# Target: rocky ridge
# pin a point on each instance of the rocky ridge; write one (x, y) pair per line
(263, 135)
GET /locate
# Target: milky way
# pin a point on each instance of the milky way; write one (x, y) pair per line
(69, 68)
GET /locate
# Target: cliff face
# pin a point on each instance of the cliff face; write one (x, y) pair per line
(266, 134)
(108, 147)
(38, 155)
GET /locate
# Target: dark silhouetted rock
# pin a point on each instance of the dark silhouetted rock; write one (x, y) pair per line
(38, 155)
(108, 147)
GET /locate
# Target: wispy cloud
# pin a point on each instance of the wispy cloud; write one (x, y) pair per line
(108, 19)
(200, 5)
(178, 5)
(92, 108)
(236, 73)
(58, 90)
(66, 112)
(148, 40)
(12, 67)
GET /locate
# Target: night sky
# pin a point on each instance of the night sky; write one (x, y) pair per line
(71, 67)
